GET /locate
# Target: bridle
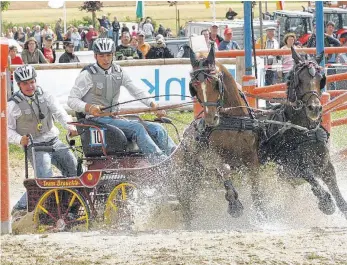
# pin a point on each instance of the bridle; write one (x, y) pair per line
(209, 75)
(297, 100)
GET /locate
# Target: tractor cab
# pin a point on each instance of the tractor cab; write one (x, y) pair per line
(297, 22)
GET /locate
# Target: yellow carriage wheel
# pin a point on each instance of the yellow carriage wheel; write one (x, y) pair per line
(116, 204)
(61, 210)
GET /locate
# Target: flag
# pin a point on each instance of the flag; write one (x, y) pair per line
(140, 11)
(280, 5)
(207, 4)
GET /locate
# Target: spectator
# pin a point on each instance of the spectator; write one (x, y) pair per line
(142, 45)
(287, 60)
(214, 35)
(161, 30)
(231, 14)
(76, 39)
(125, 28)
(270, 43)
(168, 33)
(15, 59)
(228, 44)
(28, 33)
(148, 29)
(31, 53)
(15, 33)
(116, 28)
(82, 33)
(9, 34)
(68, 56)
(124, 51)
(58, 32)
(102, 32)
(140, 24)
(37, 35)
(330, 40)
(47, 49)
(133, 42)
(91, 36)
(47, 31)
(68, 33)
(21, 35)
(133, 31)
(159, 50)
(104, 22)
(206, 34)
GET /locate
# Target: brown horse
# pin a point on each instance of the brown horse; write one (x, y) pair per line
(302, 151)
(232, 135)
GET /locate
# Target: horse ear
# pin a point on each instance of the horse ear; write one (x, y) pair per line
(320, 57)
(192, 57)
(295, 56)
(211, 55)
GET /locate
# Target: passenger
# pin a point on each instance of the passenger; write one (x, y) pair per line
(31, 111)
(98, 86)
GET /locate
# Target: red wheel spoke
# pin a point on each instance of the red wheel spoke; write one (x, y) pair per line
(47, 212)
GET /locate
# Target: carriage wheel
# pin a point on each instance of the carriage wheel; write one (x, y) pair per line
(61, 209)
(117, 206)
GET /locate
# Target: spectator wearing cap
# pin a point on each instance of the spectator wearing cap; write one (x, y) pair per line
(159, 50)
(76, 39)
(91, 36)
(47, 49)
(31, 53)
(68, 56)
(115, 28)
(270, 43)
(231, 14)
(142, 45)
(228, 44)
(214, 35)
(124, 51)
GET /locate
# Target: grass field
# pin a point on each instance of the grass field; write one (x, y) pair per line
(162, 13)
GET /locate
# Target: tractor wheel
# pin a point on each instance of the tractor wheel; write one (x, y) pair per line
(117, 210)
(61, 210)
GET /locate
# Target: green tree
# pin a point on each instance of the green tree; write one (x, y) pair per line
(5, 5)
(92, 6)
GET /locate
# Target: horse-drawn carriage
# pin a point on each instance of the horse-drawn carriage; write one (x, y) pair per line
(113, 168)
(109, 169)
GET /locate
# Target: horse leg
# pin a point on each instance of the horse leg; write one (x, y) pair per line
(235, 208)
(257, 195)
(329, 178)
(326, 204)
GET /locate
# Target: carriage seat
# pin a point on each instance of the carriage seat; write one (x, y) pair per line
(115, 141)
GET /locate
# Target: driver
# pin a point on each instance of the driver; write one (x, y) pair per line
(31, 111)
(99, 85)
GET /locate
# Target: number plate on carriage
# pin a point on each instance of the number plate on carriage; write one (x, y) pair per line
(97, 137)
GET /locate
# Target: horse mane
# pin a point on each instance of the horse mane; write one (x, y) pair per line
(232, 96)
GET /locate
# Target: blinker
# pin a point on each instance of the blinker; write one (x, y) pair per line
(201, 77)
(312, 70)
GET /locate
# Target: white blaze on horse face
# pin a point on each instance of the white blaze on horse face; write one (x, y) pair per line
(203, 88)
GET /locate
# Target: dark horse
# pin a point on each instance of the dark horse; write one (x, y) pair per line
(227, 138)
(303, 151)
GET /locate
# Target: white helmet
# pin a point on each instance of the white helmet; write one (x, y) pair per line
(24, 73)
(104, 45)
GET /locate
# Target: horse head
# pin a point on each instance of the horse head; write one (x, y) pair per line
(206, 85)
(306, 81)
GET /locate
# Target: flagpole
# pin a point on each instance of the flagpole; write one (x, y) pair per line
(214, 10)
(64, 10)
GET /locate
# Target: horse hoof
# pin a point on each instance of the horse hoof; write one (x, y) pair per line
(235, 209)
(326, 205)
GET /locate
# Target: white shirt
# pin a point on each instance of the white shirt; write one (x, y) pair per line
(84, 83)
(58, 112)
